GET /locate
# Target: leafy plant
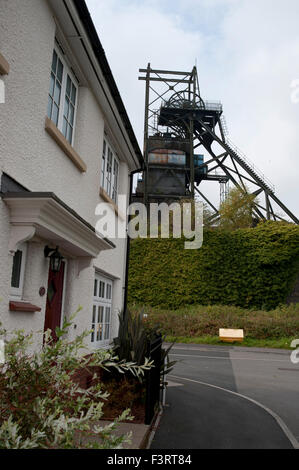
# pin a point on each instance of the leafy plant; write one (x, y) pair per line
(131, 343)
(134, 338)
(43, 407)
(237, 210)
(250, 268)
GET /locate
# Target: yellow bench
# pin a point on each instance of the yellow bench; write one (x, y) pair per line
(230, 335)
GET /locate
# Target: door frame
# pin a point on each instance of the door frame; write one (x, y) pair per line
(65, 261)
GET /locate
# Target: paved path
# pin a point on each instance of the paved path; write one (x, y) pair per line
(207, 406)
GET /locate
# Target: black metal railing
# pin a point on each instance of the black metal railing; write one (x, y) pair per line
(153, 379)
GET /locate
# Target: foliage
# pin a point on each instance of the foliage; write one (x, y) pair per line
(200, 321)
(42, 406)
(134, 338)
(209, 217)
(254, 267)
(237, 210)
(131, 343)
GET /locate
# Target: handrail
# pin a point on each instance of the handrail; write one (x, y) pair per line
(241, 155)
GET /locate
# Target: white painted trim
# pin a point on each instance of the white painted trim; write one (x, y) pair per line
(114, 158)
(19, 235)
(16, 293)
(49, 220)
(66, 71)
(110, 276)
(102, 302)
(65, 261)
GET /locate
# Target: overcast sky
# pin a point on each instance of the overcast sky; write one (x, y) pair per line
(247, 55)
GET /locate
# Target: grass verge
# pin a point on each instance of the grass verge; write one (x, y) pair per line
(200, 324)
(277, 343)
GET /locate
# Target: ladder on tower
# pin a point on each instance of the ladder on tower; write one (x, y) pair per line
(241, 158)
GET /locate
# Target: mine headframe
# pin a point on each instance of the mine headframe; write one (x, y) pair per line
(179, 127)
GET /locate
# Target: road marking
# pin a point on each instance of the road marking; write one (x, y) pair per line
(277, 418)
(173, 384)
(228, 358)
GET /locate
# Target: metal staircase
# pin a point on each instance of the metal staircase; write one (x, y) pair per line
(249, 166)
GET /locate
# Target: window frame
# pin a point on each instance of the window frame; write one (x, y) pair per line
(110, 179)
(67, 71)
(17, 292)
(102, 285)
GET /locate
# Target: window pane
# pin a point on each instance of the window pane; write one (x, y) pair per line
(64, 127)
(66, 108)
(108, 314)
(94, 314)
(16, 269)
(102, 290)
(52, 84)
(50, 103)
(95, 290)
(93, 323)
(101, 315)
(108, 292)
(100, 333)
(74, 94)
(54, 62)
(71, 114)
(68, 86)
(57, 93)
(70, 134)
(107, 332)
(103, 171)
(60, 71)
(115, 180)
(55, 112)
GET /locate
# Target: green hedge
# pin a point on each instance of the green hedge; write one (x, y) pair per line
(247, 268)
(198, 321)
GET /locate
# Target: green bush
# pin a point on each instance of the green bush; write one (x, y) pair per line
(199, 321)
(42, 406)
(254, 267)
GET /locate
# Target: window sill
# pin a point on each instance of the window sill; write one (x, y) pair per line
(65, 146)
(15, 306)
(108, 199)
(4, 65)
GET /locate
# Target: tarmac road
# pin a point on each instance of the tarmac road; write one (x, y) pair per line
(230, 398)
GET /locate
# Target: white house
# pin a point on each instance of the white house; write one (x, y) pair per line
(66, 144)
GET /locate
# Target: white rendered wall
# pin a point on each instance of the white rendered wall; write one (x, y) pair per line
(30, 156)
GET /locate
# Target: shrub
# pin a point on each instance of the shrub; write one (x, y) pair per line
(250, 268)
(134, 337)
(197, 321)
(41, 405)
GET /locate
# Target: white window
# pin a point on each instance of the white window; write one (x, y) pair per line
(63, 93)
(101, 311)
(110, 172)
(18, 271)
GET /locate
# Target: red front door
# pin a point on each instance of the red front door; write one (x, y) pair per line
(54, 300)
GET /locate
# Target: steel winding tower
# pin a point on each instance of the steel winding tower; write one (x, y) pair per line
(178, 123)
